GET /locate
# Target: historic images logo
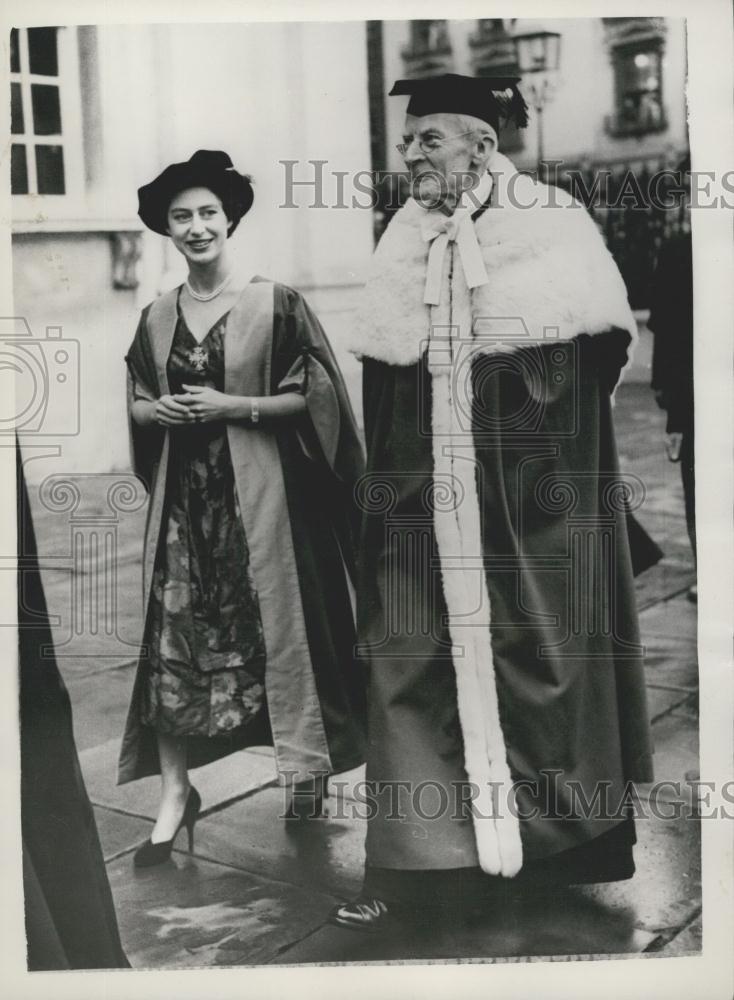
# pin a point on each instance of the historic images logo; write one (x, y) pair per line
(41, 404)
(45, 396)
(501, 353)
(511, 411)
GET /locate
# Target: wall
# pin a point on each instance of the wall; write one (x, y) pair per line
(66, 281)
(574, 118)
(263, 92)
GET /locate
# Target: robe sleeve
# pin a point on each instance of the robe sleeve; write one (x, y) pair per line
(145, 442)
(610, 353)
(304, 362)
(671, 321)
(308, 377)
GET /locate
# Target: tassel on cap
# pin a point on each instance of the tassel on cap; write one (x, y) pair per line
(490, 99)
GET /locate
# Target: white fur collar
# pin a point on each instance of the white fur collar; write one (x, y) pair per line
(547, 263)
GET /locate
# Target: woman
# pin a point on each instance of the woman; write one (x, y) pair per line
(241, 426)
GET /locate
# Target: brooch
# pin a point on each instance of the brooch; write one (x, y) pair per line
(198, 358)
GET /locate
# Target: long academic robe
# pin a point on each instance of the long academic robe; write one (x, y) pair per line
(496, 600)
(69, 913)
(295, 490)
(671, 320)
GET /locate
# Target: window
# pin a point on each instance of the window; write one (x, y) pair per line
(429, 50)
(636, 48)
(639, 82)
(45, 152)
(428, 36)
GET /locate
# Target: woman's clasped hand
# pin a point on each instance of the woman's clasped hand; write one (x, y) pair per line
(199, 404)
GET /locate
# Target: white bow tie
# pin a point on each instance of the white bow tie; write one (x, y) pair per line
(439, 229)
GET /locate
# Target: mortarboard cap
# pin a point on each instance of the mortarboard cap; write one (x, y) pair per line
(487, 98)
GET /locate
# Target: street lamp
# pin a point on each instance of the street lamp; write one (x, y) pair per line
(538, 54)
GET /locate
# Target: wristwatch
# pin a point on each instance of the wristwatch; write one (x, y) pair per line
(254, 412)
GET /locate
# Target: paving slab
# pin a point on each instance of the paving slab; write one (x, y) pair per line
(348, 784)
(676, 754)
(688, 942)
(219, 782)
(99, 705)
(188, 913)
(674, 618)
(663, 580)
(671, 661)
(666, 888)
(614, 918)
(97, 663)
(84, 653)
(664, 499)
(323, 853)
(119, 832)
(563, 923)
(662, 700)
(688, 708)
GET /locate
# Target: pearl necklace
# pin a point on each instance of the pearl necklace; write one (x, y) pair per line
(208, 296)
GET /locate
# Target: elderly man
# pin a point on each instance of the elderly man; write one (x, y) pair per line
(496, 610)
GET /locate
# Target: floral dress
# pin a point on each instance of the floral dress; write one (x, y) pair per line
(204, 633)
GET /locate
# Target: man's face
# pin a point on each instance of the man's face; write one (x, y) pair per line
(447, 162)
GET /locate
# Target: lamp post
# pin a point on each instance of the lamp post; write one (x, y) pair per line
(538, 55)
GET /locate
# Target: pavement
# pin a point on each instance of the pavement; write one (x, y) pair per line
(257, 890)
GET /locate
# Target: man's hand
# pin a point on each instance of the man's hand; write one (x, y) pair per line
(672, 446)
(204, 404)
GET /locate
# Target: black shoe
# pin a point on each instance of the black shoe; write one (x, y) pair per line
(150, 854)
(364, 914)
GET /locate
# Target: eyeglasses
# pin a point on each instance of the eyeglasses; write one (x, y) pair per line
(429, 143)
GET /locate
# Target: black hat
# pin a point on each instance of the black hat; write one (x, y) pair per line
(209, 168)
(487, 98)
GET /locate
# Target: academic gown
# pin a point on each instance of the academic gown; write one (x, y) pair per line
(294, 487)
(571, 693)
(69, 913)
(496, 599)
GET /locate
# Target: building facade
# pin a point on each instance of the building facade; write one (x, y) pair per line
(615, 113)
(99, 110)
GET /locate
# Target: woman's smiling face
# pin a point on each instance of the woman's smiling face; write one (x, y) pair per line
(198, 225)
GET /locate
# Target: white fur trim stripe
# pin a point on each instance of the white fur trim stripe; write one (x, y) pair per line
(458, 538)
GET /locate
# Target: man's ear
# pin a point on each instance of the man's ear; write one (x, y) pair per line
(484, 146)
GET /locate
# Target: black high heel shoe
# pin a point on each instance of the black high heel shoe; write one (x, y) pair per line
(149, 854)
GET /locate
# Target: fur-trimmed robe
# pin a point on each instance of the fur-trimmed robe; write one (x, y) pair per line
(496, 602)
